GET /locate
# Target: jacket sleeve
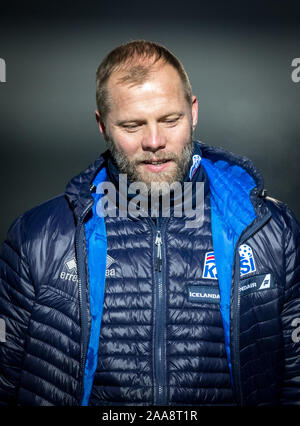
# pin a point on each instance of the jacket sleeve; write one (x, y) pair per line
(290, 392)
(16, 301)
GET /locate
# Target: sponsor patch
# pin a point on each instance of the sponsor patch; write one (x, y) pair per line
(203, 294)
(257, 283)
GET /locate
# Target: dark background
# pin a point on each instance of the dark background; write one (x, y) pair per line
(238, 56)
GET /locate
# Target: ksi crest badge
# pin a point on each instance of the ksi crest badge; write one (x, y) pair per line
(210, 270)
(247, 263)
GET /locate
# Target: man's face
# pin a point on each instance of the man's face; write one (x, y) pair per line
(149, 127)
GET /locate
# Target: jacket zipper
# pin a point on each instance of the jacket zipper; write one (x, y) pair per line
(236, 306)
(79, 244)
(159, 346)
(158, 243)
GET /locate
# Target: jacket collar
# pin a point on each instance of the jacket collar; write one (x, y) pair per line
(215, 153)
(258, 193)
(78, 190)
(195, 173)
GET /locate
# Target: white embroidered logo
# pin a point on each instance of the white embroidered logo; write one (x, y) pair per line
(247, 263)
(71, 266)
(110, 272)
(266, 282)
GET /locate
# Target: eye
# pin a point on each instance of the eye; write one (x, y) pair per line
(131, 127)
(172, 122)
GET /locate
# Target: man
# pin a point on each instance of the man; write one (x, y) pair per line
(109, 304)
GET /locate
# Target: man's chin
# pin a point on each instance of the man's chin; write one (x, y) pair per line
(146, 175)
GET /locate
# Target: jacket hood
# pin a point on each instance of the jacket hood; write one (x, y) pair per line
(215, 153)
(78, 189)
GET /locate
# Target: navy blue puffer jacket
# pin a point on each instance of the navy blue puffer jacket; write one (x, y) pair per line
(129, 311)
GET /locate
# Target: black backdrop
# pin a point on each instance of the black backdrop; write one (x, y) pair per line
(238, 56)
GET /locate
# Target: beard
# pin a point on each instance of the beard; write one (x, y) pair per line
(131, 167)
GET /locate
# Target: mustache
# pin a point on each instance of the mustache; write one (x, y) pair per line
(158, 156)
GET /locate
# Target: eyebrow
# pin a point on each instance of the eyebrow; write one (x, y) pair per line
(122, 122)
(179, 114)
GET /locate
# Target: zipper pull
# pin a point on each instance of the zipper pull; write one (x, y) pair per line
(158, 242)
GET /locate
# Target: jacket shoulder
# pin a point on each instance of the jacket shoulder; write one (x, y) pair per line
(52, 213)
(41, 236)
(45, 220)
(285, 227)
(282, 213)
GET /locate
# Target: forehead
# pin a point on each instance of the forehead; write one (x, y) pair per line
(162, 82)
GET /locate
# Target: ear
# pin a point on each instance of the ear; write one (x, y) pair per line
(194, 111)
(101, 124)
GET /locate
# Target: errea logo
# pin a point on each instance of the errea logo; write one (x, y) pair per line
(110, 272)
(71, 274)
(71, 265)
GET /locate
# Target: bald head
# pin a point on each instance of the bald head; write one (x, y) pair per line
(135, 62)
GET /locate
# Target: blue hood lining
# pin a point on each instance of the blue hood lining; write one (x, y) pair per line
(96, 243)
(231, 212)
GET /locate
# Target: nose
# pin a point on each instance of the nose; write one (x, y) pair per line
(153, 138)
